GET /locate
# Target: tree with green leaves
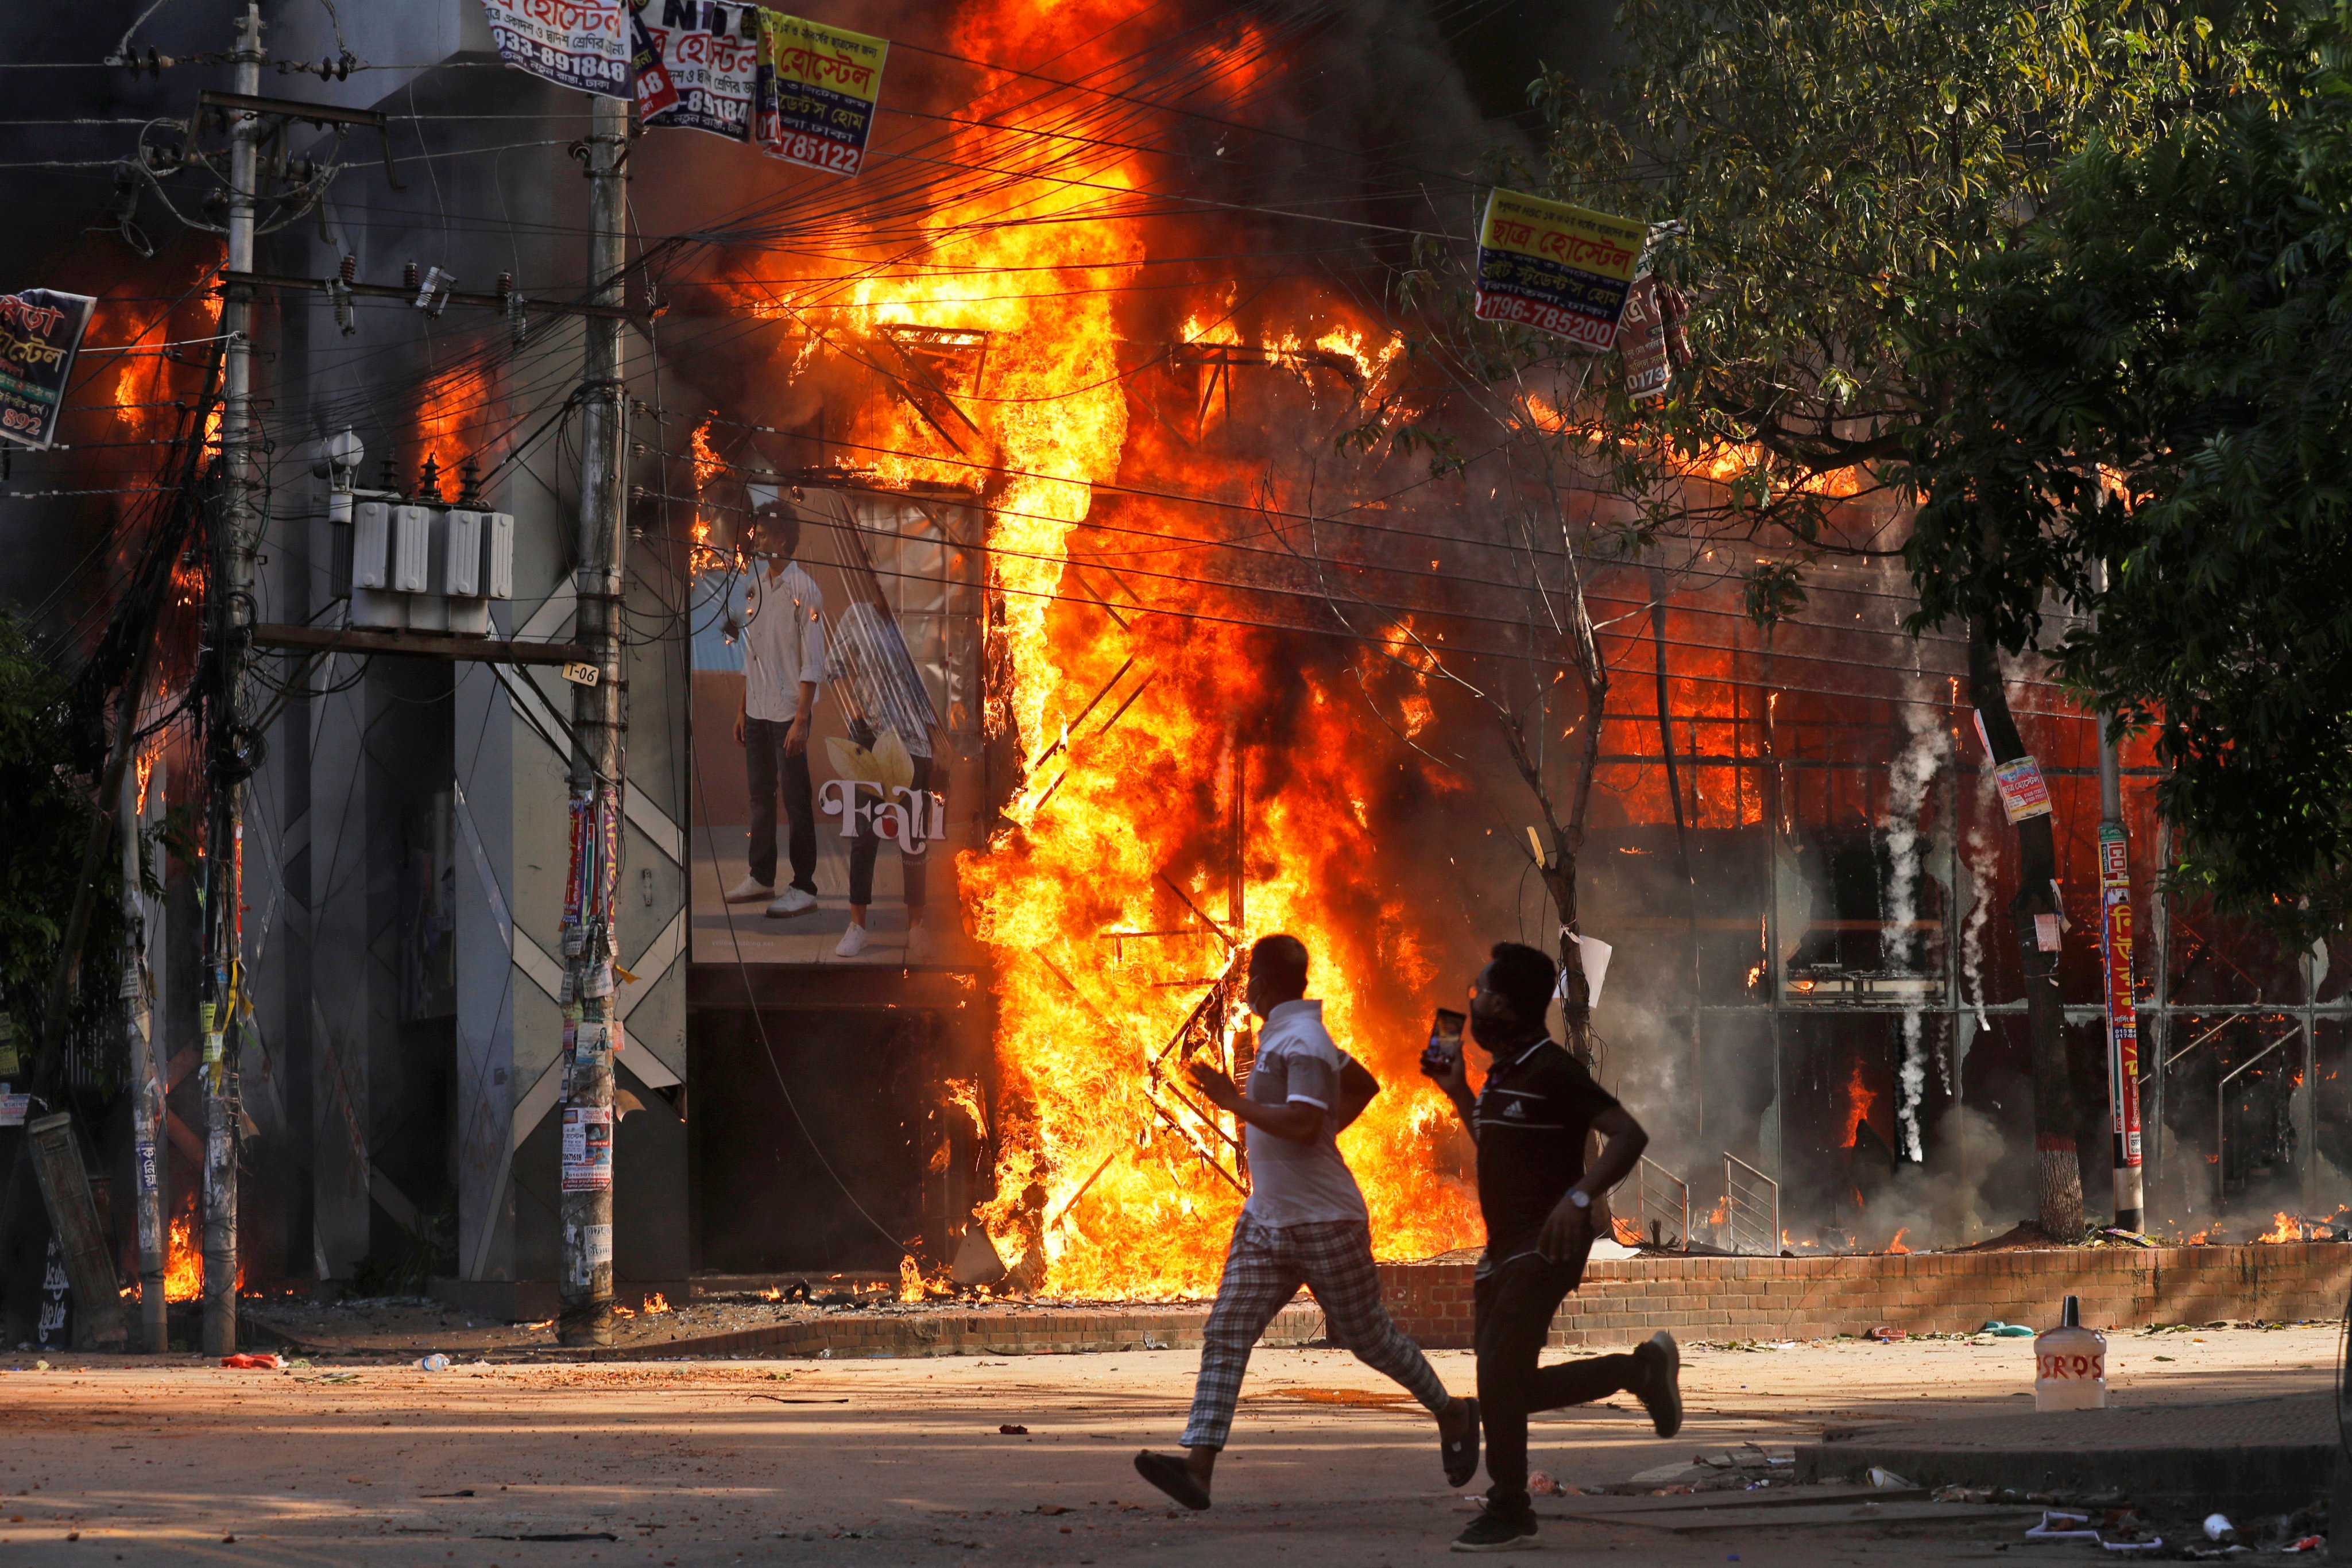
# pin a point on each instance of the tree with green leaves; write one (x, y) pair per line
(1828, 169)
(48, 820)
(2160, 378)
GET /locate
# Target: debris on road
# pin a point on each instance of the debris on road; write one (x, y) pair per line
(251, 1362)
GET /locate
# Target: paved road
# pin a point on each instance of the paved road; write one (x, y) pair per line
(901, 1462)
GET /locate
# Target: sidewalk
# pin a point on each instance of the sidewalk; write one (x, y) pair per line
(2267, 1455)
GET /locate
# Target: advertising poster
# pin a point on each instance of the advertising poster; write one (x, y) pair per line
(587, 1148)
(578, 44)
(41, 333)
(2123, 1018)
(2023, 792)
(818, 86)
(1558, 269)
(1650, 337)
(710, 53)
(656, 94)
(889, 778)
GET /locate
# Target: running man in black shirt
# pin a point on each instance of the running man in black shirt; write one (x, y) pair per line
(1531, 1119)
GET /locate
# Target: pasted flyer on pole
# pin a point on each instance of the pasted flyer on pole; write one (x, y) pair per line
(1556, 268)
(2122, 1016)
(818, 86)
(41, 333)
(578, 44)
(587, 1148)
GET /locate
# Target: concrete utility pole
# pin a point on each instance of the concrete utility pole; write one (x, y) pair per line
(2116, 970)
(147, 1096)
(230, 611)
(598, 728)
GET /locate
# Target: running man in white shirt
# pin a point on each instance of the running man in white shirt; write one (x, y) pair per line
(1304, 1223)
(783, 660)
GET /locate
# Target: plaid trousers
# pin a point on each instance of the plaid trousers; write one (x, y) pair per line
(1263, 1269)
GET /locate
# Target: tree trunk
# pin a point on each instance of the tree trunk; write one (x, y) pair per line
(1697, 1092)
(2038, 922)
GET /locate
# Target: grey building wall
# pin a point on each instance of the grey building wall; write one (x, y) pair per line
(415, 811)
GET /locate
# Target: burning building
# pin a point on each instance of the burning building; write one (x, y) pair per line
(1224, 601)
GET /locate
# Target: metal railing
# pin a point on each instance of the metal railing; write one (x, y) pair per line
(1661, 1205)
(2221, 1116)
(1751, 1203)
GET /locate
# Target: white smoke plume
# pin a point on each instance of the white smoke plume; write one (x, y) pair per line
(1914, 769)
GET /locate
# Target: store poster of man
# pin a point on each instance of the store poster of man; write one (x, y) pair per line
(885, 768)
(833, 659)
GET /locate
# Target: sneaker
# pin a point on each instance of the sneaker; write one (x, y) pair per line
(1492, 1531)
(751, 890)
(792, 901)
(922, 947)
(852, 943)
(1661, 1391)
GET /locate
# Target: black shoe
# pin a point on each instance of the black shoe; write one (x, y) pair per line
(1172, 1475)
(1461, 1454)
(1661, 1391)
(1492, 1531)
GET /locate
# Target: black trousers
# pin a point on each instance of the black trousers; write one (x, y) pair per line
(768, 768)
(1514, 1303)
(866, 843)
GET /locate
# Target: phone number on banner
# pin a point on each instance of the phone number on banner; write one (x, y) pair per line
(1586, 332)
(816, 153)
(564, 69)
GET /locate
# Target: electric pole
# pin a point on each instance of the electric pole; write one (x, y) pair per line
(147, 1078)
(229, 614)
(2116, 971)
(597, 732)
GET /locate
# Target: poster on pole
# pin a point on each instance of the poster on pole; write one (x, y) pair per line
(2123, 1018)
(818, 87)
(710, 53)
(41, 333)
(579, 44)
(1558, 269)
(587, 1148)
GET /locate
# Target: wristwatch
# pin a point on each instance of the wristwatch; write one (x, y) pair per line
(1579, 1197)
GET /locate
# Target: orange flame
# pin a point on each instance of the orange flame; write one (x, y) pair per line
(1896, 1245)
(656, 1303)
(1152, 838)
(708, 466)
(1860, 1101)
(2287, 1228)
(184, 1267)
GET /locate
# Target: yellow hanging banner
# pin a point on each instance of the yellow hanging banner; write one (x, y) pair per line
(818, 89)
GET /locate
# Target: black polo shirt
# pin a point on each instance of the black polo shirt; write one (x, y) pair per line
(1533, 1114)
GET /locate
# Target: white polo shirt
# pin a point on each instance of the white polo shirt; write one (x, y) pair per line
(1294, 1183)
(784, 640)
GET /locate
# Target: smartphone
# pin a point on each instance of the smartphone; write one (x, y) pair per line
(1444, 1042)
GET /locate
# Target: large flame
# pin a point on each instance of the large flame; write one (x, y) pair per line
(1192, 780)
